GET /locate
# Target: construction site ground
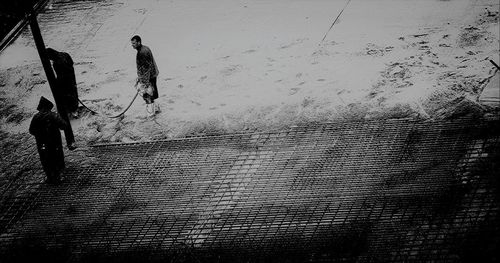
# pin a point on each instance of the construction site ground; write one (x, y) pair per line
(377, 144)
(395, 190)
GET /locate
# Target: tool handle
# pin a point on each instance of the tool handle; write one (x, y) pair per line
(495, 64)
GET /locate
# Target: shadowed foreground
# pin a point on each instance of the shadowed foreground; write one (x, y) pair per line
(392, 190)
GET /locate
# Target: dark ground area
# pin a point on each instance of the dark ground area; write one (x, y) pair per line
(387, 191)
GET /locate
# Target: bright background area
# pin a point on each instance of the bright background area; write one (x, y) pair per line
(256, 65)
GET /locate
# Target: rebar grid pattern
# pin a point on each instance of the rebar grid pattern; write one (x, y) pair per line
(392, 190)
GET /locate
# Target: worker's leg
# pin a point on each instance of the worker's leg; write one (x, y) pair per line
(156, 107)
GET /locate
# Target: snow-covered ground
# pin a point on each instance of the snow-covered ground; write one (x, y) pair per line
(241, 65)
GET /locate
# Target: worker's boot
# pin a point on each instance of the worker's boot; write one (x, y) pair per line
(157, 108)
(53, 178)
(74, 115)
(150, 109)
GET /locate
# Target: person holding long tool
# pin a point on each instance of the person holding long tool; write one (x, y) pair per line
(147, 72)
(45, 126)
(65, 92)
(66, 80)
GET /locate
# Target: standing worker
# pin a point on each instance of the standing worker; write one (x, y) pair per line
(45, 126)
(65, 93)
(147, 72)
(66, 80)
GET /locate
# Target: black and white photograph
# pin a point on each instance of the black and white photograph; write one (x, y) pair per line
(249, 131)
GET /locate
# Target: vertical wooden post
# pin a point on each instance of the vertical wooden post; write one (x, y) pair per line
(40, 46)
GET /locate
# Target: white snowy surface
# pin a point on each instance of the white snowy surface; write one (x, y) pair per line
(230, 66)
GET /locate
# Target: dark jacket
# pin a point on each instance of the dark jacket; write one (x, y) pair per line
(45, 126)
(66, 88)
(146, 65)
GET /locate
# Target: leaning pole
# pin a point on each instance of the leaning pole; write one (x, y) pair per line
(40, 46)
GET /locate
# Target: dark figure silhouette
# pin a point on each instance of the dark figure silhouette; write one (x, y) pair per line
(66, 80)
(65, 91)
(45, 126)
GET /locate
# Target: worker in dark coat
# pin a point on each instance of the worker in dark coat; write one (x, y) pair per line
(45, 126)
(65, 92)
(66, 89)
(147, 72)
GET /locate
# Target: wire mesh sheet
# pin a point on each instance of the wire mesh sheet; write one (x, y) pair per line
(393, 190)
